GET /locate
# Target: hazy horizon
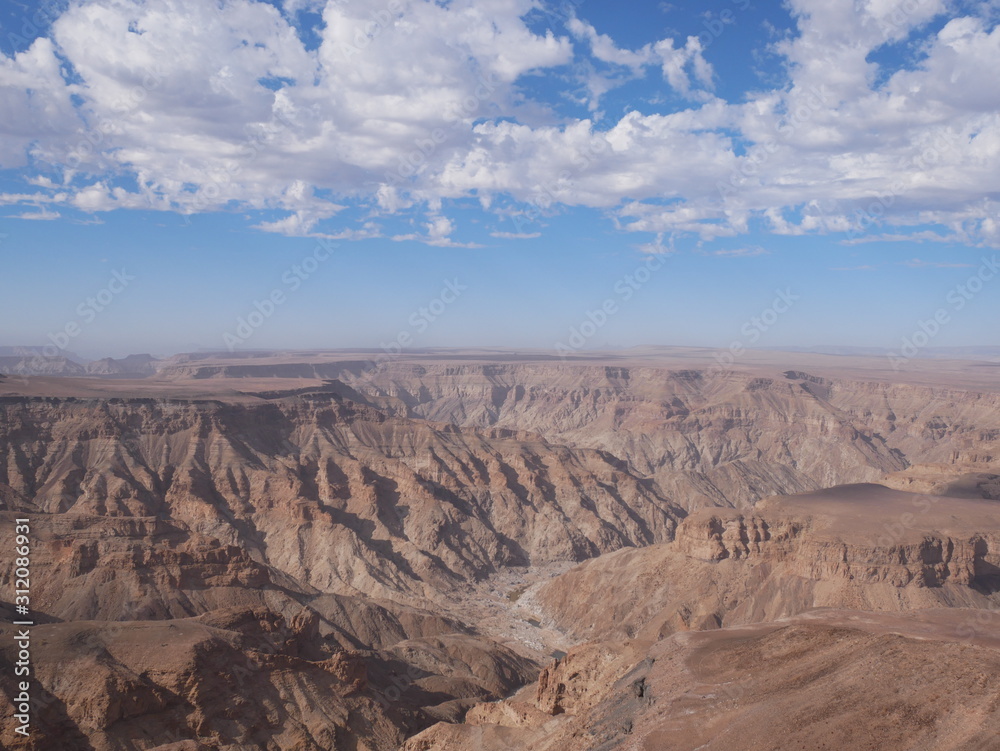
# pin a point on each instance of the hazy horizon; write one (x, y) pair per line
(720, 354)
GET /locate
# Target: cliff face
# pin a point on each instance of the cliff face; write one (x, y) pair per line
(837, 679)
(340, 497)
(865, 547)
(241, 679)
(310, 544)
(404, 480)
(853, 617)
(708, 438)
(153, 519)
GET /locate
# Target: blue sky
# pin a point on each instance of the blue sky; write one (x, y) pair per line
(534, 156)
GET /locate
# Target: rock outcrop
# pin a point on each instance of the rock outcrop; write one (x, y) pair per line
(287, 552)
(865, 547)
(829, 680)
(235, 679)
(341, 497)
(709, 437)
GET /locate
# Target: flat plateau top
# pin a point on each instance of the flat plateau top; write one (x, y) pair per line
(236, 377)
(881, 515)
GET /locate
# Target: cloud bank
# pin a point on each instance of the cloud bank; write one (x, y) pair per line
(352, 119)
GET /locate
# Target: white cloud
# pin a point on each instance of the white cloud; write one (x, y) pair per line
(40, 215)
(604, 49)
(657, 247)
(516, 235)
(438, 233)
(748, 252)
(205, 128)
(679, 63)
(249, 117)
(909, 237)
(918, 263)
(923, 143)
(35, 103)
(297, 224)
(8, 199)
(42, 181)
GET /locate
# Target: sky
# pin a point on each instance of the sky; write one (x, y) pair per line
(180, 174)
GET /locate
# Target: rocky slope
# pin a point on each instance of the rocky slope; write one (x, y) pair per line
(35, 361)
(736, 634)
(132, 365)
(864, 547)
(167, 536)
(31, 364)
(245, 679)
(341, 497)
(708, 437)
(341, 542)
(830, 680)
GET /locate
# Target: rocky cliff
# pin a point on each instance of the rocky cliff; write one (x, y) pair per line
(339, 496)
(866, 547)
(342, 543)
(830, 680)
(709, 437)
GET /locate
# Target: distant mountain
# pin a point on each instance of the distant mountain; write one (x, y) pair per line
(38, 364)
(131, 365)
(934, 353)
(27, 351)
(33, 361)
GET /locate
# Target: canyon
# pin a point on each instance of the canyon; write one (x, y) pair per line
(485, 549)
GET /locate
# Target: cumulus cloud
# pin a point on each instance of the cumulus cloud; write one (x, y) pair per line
(680, 64)
(405, 106)
(35, 102)
(657, 247)
(247, 114)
